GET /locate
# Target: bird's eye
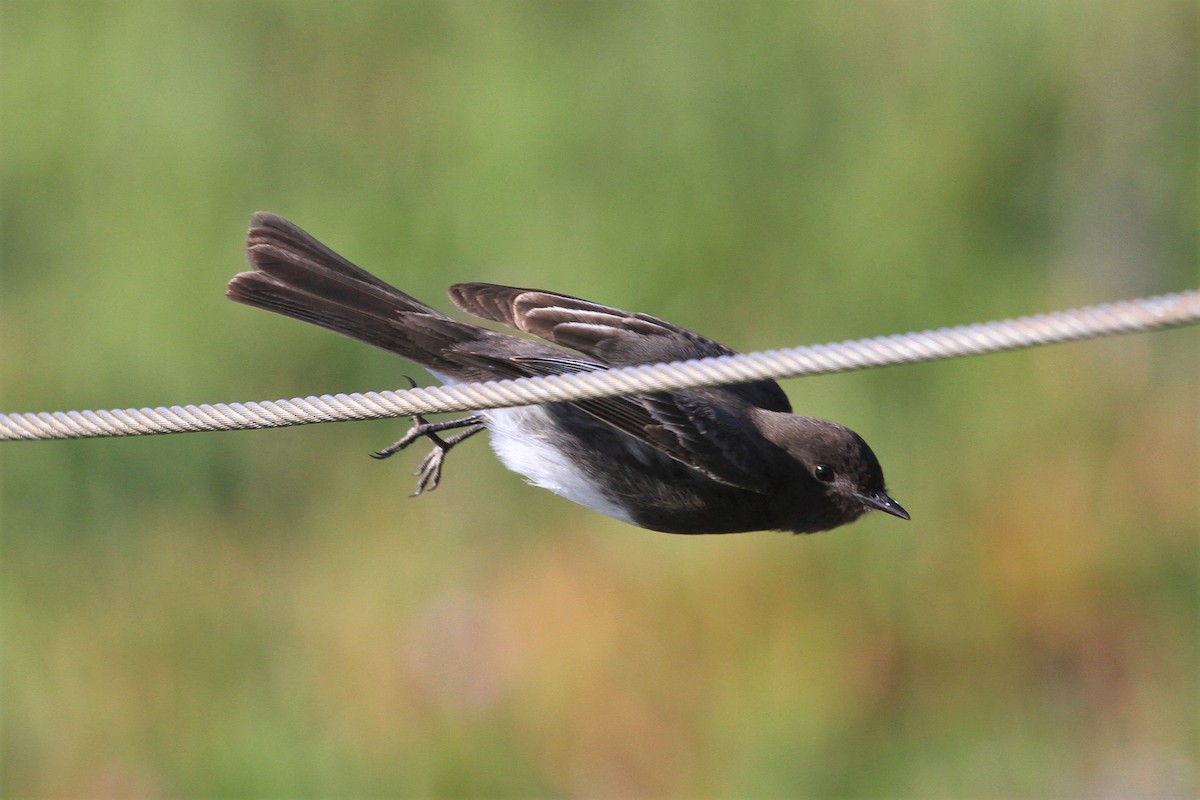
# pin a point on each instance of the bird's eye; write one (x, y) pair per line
(824, 473)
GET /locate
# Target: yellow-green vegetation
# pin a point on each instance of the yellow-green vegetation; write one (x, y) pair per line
(268, 614)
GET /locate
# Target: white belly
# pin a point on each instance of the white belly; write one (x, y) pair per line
(517, 436)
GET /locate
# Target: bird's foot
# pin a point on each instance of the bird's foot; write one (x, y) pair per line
(429, 473)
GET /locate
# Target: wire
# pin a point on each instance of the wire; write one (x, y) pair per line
(1131, 316)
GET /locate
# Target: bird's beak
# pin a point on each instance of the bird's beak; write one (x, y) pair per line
(882, 502)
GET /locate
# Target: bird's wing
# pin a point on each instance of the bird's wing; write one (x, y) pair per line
(687, 426)
(614, 337)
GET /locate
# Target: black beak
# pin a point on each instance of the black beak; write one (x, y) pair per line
(882, 502)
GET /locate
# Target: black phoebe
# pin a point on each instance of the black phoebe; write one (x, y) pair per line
(714, 460)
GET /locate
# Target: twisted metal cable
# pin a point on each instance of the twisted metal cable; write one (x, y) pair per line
(1131, 316)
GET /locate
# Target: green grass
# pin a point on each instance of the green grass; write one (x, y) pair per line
(268, 615)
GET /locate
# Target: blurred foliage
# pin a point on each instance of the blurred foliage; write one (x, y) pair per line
(267, 614)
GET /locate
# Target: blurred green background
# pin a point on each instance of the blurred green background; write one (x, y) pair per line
(268, 614)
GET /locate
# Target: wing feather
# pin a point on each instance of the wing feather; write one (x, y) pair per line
(614, 337)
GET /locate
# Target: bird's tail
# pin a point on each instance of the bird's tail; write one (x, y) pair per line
(297, 276)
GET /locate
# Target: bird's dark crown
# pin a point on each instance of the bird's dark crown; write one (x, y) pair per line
(836, 470)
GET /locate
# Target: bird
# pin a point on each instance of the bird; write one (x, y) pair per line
(714, 460)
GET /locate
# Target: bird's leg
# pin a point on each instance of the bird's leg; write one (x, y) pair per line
(430, 471)
(430, 430)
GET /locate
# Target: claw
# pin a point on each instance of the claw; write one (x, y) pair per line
(429, 473)
(420, 428)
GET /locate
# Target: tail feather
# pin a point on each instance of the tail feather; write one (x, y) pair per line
(273, 231)
(297, 276)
